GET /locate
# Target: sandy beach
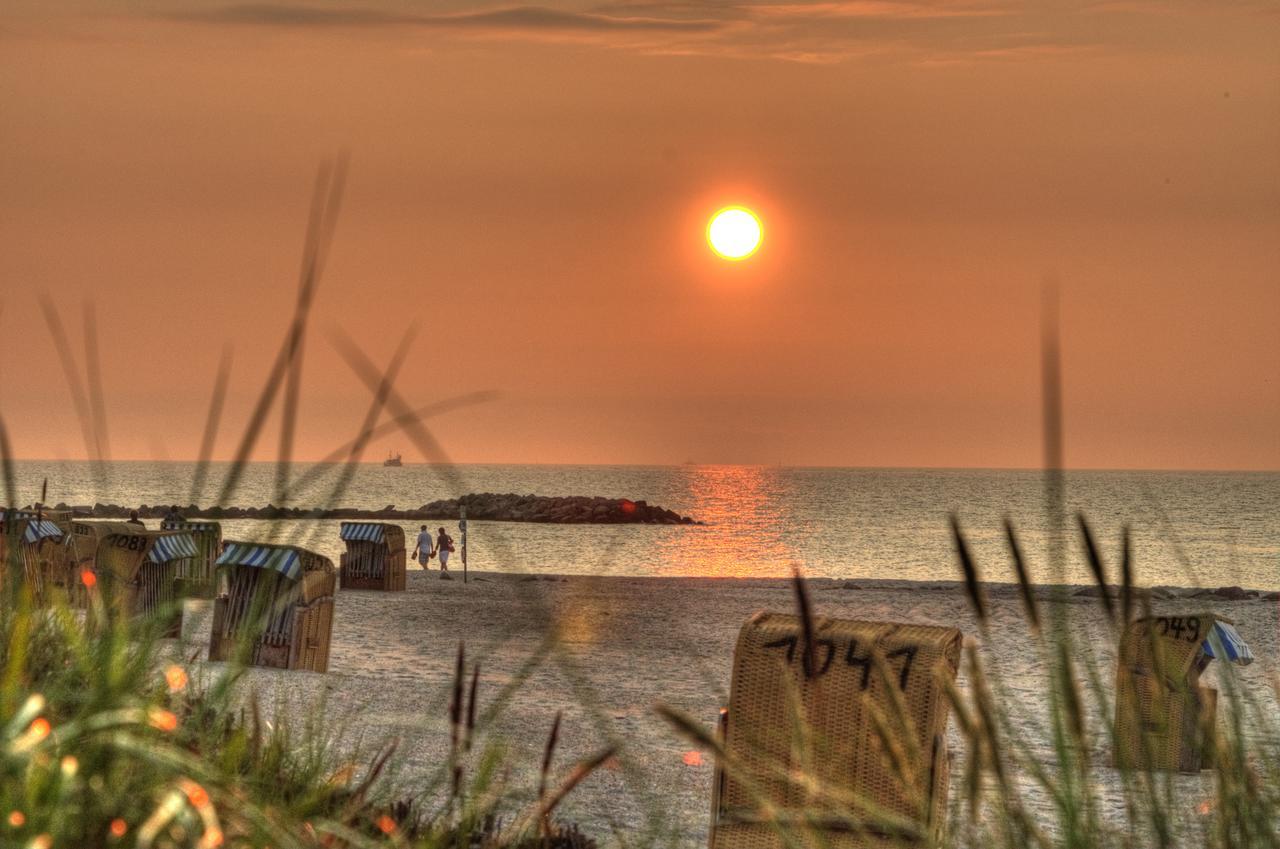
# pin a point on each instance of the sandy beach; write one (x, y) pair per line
(605, 650)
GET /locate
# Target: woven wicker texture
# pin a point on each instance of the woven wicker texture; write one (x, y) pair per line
(29, 548)
(373, 565)
(866, 696)
(80, 549)
(285, 623)
(1162, 713)
(198, 572)
(130, 584)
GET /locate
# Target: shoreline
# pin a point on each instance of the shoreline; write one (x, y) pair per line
(1043, 592)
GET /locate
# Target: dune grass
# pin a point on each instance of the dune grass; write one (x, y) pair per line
(1234, 803)
(120, 738)
(113, 736)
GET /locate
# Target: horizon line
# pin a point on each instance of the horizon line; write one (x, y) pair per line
(834, 467)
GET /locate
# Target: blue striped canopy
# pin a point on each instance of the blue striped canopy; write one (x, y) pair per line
(1234, 648)
(38, 529)
(172, 547)
(287, 561)
(364, 531)
(195, 527)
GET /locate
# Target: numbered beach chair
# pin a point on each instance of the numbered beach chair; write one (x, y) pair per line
(278, 606)
(30, 549)
(1165, 719)
(834, 714)
(374, 559)
(136, 573)
(80, 550)
(197, 575)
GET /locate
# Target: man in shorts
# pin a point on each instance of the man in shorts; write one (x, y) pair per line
(423, 550)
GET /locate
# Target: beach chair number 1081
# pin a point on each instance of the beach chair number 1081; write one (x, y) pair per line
(827, 650)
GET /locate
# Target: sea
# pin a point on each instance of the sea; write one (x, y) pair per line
(1186, 528)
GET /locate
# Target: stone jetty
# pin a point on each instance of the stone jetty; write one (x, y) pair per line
(498, 507)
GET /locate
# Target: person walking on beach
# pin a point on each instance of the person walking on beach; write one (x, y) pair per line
(173, 517)
(444, 547)
(134, 520)
(422, 549)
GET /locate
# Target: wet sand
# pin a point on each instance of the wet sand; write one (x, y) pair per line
(614, 648)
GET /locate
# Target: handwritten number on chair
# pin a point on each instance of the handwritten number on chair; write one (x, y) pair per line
(1188, 628)
(909, 653)
(851, 658)
(791, 642)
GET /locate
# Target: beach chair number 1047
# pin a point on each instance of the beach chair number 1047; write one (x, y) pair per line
(826, 651)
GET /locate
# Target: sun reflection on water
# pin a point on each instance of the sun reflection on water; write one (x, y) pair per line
(741, 503)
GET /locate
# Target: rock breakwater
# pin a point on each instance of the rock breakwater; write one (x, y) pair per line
(498, 507)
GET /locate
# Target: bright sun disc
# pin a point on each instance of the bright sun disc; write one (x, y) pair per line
(734, 232)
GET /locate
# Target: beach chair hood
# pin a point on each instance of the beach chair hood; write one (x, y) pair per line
(363, 531)
(36, 528)
(1224, 641)
(172, 546)
(40, 529)
(275, 558)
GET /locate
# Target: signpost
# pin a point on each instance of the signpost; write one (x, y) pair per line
(462, 529)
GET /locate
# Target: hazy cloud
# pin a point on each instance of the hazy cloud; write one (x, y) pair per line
(809, 31)
(514, 18)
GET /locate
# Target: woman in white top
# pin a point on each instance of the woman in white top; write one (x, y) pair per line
(444, 547)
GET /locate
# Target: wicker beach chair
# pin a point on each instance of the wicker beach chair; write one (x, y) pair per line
(841, 745)
(197, 575)
(30, 547)
(136, 573)
(278, 606)
(1164, 719)
(80, 550)
(374, 559)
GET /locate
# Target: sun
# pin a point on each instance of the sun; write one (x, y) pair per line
(734, 232)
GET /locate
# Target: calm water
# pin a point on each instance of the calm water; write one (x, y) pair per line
(1190, 528)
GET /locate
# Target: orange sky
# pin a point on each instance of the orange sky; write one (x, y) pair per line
(530, 185)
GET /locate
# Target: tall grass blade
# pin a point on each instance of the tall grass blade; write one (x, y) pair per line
(1096, 567)
(1051, 402)
(972, 584)
(1025, 587)
(93, 374)
(211, 421)
(315, 251)
(576, 777)
(411, 425)
(1126, 577)
(471, 708)
(6, 466)
(398, 423)
(805, 608)
(79, 399)
(283, 361)
(455, 720)
(548, 753)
